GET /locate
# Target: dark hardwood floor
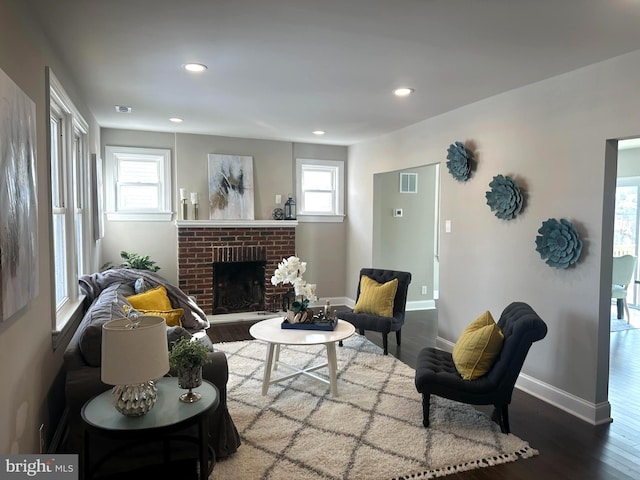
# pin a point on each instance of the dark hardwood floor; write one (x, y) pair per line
(569, 447)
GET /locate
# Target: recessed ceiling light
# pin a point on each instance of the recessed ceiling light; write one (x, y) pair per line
(403, 91)
(176, 120)
(194, 67)
(123, 109)
(319, 132)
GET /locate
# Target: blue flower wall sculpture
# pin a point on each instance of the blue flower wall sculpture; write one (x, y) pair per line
(558, 243)
(459, 161)
(505, 197)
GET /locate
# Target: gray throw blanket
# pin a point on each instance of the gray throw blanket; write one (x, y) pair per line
(194, 317)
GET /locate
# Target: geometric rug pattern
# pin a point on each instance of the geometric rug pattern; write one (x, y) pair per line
(372, 430)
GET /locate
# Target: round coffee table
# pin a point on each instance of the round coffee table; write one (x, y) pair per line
(274, 335)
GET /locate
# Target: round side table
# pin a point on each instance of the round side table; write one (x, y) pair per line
(168, 416)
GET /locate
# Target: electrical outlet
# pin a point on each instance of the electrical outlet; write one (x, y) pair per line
(424, 289)
(278, 199)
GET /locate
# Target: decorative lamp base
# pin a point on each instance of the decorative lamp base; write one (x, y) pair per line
(136, 399)
(190, 397)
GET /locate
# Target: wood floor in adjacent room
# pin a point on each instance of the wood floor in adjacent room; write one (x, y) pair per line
(569, 448)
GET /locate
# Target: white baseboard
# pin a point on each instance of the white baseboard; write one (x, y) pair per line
(411, 306)
(421, 305)
(593, 413)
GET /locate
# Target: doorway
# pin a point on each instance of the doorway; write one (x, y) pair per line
(627, 212)
(405, 229)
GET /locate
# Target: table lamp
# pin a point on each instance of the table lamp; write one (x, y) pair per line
(134, 355)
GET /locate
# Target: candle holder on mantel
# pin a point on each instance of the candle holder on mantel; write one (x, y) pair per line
(184, 209)
(194, 202)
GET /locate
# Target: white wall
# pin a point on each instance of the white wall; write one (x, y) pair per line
(550, 137)
(273, 173)
(29, 362)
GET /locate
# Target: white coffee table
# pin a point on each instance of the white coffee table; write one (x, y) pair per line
(270, 331)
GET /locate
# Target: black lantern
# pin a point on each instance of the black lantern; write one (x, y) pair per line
(290, 209)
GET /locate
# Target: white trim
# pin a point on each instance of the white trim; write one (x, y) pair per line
(420, 305)
(320, 218)
(593, 413)
(140, 217)
(411, 306)
(339, 192)
(163, 157)
(236, 223)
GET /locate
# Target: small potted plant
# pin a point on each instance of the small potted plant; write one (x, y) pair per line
(187, 356)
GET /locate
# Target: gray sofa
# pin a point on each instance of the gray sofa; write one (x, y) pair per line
(106, 294)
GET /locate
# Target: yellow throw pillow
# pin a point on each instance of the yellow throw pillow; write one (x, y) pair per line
(376, 298)
(172, 317)
(478, 347)
(154, 299)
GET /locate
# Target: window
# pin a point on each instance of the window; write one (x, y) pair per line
(320, 190)
(138, 183)
(68, 157)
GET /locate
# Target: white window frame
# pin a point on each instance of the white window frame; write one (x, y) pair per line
(337, 169)
(162, 157)
(70, 198)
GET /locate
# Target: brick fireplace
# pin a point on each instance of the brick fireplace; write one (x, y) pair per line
(204, 244)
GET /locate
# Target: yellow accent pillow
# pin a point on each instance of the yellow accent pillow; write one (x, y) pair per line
(172, 317)
(376, 298)
(478, 347)
(154, 299)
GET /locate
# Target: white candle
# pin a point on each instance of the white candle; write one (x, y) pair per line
(194, 197)
(183, 194)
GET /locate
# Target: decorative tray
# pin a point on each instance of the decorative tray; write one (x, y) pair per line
(317, 324)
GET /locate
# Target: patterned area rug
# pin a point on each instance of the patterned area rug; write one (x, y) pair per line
(372, 430)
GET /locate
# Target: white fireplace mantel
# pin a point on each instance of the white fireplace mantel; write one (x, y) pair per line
(236, 223)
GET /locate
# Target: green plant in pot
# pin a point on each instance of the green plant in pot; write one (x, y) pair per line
(187, 356)
(138, 262)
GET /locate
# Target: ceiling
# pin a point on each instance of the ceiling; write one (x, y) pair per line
(279, 69)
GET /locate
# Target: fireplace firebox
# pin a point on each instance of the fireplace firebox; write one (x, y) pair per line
(238, 287)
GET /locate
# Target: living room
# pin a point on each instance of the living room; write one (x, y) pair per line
(556, 136)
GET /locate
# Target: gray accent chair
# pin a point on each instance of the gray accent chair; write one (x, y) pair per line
(436, 373)
(384, 325)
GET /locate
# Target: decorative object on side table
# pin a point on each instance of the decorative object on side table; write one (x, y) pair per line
(459, 161)
(559, 243)
(187, 356)
(505, 197)
(134, 355)
(290, 271)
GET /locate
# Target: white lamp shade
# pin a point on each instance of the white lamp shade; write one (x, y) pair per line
(134, 355)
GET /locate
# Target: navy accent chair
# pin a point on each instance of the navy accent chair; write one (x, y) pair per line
(384, 325)
(436, 373)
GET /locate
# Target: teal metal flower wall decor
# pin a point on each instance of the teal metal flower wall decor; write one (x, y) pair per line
(505, 197)
(459, 163)
(559, 243)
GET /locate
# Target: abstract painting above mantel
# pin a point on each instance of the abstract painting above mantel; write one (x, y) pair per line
(18, 198)
(230, 187)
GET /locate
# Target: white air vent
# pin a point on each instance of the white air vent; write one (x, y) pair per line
(408, 183)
